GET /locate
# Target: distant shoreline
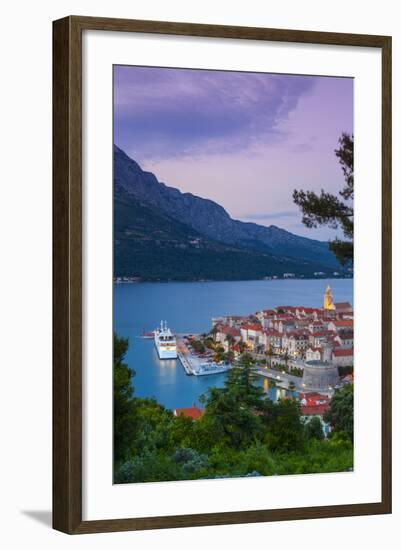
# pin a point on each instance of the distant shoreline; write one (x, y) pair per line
(141, 281)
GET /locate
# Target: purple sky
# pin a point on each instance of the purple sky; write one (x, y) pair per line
(245, 140)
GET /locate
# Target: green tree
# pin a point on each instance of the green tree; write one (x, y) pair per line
(219, 355)
(124, 407)
(148, 466)
(198, 346)
(209, 343)
(285, 428)
(314, 428)
(181, 431)
(189, 460)
(154, 426)
(241, 382)
(341, 411)
(255, 460)
(233, 408)
(331, 210)
(241, 433)
(206, 431)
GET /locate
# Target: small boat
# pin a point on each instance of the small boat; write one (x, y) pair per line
(147, 334)
(204, 369)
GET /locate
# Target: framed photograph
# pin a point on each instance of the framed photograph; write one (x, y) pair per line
(222, 274)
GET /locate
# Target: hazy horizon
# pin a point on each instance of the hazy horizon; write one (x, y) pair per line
(243, 140)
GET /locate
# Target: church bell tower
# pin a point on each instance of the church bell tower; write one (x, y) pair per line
(328, 303)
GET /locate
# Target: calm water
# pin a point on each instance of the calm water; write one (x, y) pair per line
(189, 307)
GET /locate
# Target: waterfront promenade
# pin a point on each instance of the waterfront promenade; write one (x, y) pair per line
(191, 363)
(282, 379)
(187, 359)
(195, 365)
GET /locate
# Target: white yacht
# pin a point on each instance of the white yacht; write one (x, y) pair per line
(204, 369)
(165, 342)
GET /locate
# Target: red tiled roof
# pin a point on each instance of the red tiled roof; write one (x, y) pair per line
(192, 412)
(343, 305)
(343, 352)
(230, 330)
(324, 333)
(309, 410)
(309, 309)
(314, 395)
(252, 327)
(344, 323)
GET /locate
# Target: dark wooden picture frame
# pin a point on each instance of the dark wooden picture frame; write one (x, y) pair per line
(67, 274)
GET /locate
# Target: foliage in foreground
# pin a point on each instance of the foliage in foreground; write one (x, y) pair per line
(331, 210)
(241, 433)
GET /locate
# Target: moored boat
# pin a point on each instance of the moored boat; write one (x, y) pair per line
(165, 342)
(147, 334)
(204, 369)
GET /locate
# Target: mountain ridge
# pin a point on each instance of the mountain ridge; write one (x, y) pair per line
(211, 219)
(142, 204)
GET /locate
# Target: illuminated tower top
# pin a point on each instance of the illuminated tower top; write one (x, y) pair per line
(328, 299)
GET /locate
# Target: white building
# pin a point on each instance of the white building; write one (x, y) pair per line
(313, 354)
(252, 335)
(295, 344)
(272, 339)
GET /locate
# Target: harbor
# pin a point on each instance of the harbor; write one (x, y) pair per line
(177, 346)
(296, 346)
(189, 308)
(195, 365)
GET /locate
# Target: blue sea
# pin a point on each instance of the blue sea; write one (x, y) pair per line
(188, 308)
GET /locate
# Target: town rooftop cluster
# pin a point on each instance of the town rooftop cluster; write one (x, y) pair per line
(311, 334)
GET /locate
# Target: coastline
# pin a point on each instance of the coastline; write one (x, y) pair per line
(275, 279)
(189, 308)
